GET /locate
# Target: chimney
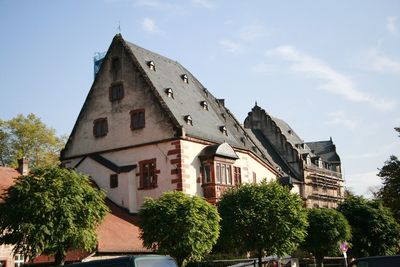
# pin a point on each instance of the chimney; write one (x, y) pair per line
(23, 166)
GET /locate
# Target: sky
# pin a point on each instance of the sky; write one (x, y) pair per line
(328, 68)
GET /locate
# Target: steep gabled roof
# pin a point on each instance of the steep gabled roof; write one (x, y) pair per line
(326, 150)
(188, 99)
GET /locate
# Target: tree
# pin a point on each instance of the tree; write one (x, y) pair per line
(185, 227)
(51, 211)
(265, 219)
(374, 229)
(326, 229)
(28, 137)
(390, 192)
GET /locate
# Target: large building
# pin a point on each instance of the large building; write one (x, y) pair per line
(149, 126)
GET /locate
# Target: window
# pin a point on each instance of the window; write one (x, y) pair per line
(188, 120)
(169, 92)
(204, 105)
(113, 180)
(205, 91)
(151, 65)
(223, 173)
(137, 119)
(18, 260)
(148, 177)
(185, 78)
(218, 173)
(100, 127)
(223, 130)
(206, 172)
(116, 92)
(254, 178)
(229, 174)
(237, 175)
(116, 68)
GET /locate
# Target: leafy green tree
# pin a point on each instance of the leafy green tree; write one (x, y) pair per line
(374, 229)
(390, 192)
(28, 137)
(265, 219)
(51, 211)
(185, 227)
(326, 229)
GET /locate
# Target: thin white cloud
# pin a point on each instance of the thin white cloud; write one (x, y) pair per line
(149, 26)
(376, 60)
(263, 68)
(156, 4)
(204, 3)
(230, 46)
(253, 32)
(391, 24)
(332, 81)
(340, 118)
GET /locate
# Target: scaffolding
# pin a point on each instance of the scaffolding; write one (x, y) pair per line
(97, 61)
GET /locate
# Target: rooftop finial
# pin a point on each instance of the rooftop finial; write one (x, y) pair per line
(119, 27)
(256, 103)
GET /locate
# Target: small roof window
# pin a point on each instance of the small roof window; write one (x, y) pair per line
(169, 92)
(151, 65)
(205, 91)
(204, 104)
(188, 120)
(223, 130)
(223, 116)
(185, 78)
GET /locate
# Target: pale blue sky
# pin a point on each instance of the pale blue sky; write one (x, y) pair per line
(328, 68)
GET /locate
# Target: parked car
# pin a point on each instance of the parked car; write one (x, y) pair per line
(378, 261)
(131, 261)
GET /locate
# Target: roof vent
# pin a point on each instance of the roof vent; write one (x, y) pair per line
(151, 65)
(221, 102)
(188, 120)
(204, 104)
(223, 130)
(169, 92)
(185, 78)
(205, 91)
(243, 139)
(223, 116)
(290, 131)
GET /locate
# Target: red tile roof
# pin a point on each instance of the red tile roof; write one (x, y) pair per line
(119, 232)
(7, 178)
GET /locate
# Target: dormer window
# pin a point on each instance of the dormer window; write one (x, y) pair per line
(205, 91)
(204, 105)
(223, 130)
(185, 78)
(169, 92)
(151, 65)
(188, 120)
(290, 132)
(223, 116)
(243, 139)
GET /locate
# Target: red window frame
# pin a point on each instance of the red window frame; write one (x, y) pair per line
(148, 174)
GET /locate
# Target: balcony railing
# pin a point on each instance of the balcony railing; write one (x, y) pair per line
(312, 167)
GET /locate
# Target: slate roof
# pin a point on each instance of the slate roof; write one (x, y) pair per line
(187, 99)
(326, 150)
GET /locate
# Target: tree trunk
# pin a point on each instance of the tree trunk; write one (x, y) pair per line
(59, 258)
(259, 256)
(319, 261)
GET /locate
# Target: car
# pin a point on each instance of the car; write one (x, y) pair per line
(378, 261)
(131, 261)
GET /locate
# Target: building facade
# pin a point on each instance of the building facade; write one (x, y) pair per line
(315, 166)
(149, 126)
